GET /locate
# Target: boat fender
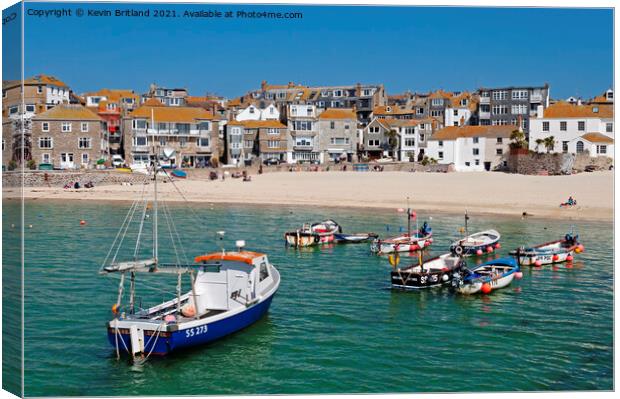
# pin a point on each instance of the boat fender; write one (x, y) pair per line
(458, 250)
(489, 249)
(486, 288)
(445, 277)
(569, 258)
(317, 239)
(519, 275)
(115, 308)
(479, 252)
(537, 263)
(555, 258)
(498, 245)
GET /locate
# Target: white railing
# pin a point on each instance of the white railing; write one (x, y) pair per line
(536, 98)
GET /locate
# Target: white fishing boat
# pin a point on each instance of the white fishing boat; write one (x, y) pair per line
(550, 252)
(478, 243)
(487, 277)
(408, 242)
(434, 272)
(313, 234)
(226, 292)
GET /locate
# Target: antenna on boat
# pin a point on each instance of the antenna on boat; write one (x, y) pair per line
(466, 219)
(408, 218)
(240, 244)
(220, 234)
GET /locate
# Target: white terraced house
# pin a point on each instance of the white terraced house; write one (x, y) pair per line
(471, 148)
(575, 129)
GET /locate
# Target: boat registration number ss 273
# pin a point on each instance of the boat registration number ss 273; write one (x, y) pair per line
(190, 332)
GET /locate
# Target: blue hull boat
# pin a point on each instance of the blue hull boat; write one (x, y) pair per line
(489, 276)
(171, 338)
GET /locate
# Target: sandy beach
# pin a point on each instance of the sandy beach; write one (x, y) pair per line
(482, 192)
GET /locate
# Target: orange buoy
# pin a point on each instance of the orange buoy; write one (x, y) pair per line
(115, 308)
(489, 249)
(486, 288)
(82, 222)
(498, 245)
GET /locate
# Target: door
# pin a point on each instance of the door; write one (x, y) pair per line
(487, 166)
(66, 160)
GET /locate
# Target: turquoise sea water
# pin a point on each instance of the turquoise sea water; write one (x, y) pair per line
(334, 326)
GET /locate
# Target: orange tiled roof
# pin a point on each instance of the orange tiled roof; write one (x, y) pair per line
(258, 124)
(68, 112)
(35, 80)
(563, 109)
(392, 122)
(596, 137)
(440, 94)
(115, 95)
(338, 113)
(394, 110)
(454, 132)
(153, 102)
(162, 113)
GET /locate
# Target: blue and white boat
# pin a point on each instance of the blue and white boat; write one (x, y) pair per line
(226, 292)
(487, 277)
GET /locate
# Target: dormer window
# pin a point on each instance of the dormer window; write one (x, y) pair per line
(251, 110)
(610, 95)
(595, 110)
(388, 109)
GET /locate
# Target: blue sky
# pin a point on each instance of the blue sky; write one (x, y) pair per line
(406, 48)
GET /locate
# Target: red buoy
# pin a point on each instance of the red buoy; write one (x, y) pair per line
(538, 263)
(519, 275)
(489, 249)
(82, 222)
(555, 258)
(498, 245)
(479, 252)
(486, 288)
(569, 258)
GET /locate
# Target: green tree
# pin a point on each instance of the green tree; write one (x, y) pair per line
(549, 143)
(518, 139)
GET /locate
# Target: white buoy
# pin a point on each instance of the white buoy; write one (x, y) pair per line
(240, 244)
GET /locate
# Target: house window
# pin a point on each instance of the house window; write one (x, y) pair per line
(302, 125)
(467, 163)
(475, 151)
(581, 126)
(476, 161)
(203, 126)
(609, 127)
(39, 89)
(203, 142)
(346, 127)
(84, 126)
(409, 142)
(45, 158)
(476, 140)
(251, 110)
(139, 124)
(441, 143)
(499, 140)
(421, 137)
(420, 110)
(435, 113)
(29, 107)
(519, 94)
(85, 158)
(500, 109)
(3, 144)
(183, 141)
(580, 146)
(437, 101)
(374, 129)
(273, 144)
(601, 149)
(455, 112)
(162, 141)
(46, 142)
(84, 142)
(337, 93)
(13, 110)
(139, 141)
(45, 126)
(563, 126)
(499, 151)
(248, 143)
(463, 102)
(366, 92)
(4, 93)
(332, 125)
(66, 127)
(440, 155)
(273, 131)
(519, 109)
(545, 126)
(500, 95)
(565, 146)
(373, 143)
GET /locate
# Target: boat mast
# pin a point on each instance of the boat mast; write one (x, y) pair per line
(155, 170)
(408, 218)
(466, 219)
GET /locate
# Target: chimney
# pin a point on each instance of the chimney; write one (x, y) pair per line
(579, 101)
(291, 85)
(263, 85)
(539, 111)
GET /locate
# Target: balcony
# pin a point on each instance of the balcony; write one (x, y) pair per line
(303, 147)
(303, 133)
(484, 115)
(485, 100)
(140, 148)
(536, 98)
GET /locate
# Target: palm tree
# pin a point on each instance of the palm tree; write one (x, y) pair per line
(518, 139)
(549, 143)
(539, 142)
(392, 141)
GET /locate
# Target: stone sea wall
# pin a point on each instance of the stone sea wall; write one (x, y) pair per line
(531, 163)
(58, 178)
